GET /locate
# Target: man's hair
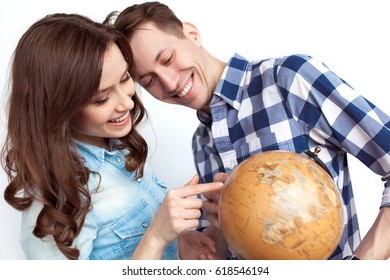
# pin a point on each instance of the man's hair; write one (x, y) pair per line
(129, 20)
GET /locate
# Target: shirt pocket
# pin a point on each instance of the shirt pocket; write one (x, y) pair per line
(133, 223)
(129, 230)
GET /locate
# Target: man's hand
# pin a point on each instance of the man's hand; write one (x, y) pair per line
(195, 245)
(210, 205)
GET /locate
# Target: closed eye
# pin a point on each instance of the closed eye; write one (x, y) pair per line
(126, 77)
(148, 82)
(101, 101)
(169, 59)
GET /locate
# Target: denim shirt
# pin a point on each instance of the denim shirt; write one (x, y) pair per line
(122, 210)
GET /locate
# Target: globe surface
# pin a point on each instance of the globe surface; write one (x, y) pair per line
(281, 205)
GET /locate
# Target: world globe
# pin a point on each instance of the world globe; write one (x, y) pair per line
(281, 205)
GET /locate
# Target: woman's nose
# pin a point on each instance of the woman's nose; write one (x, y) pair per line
(125, 101)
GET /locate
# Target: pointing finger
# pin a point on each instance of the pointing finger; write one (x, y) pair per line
(191, 190)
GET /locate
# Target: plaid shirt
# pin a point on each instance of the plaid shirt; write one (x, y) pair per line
(293, 103)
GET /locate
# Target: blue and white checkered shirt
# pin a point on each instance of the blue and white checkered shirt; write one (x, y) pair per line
(293, 103)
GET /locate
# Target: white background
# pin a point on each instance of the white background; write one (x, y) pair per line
(351, 37)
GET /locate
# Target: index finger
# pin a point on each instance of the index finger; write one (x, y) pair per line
(191, 190)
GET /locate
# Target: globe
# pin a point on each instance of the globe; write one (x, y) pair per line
(280, 205)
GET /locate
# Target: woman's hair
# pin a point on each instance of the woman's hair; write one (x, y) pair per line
(56, 71)
(157, 13)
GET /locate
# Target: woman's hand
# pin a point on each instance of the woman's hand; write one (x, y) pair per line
(179, 212)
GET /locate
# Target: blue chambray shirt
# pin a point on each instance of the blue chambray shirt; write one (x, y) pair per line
(122, 210)
(293, 103)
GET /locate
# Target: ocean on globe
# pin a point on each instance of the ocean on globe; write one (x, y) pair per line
(281, 205)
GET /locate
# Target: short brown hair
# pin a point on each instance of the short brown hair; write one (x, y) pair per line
(157, 13)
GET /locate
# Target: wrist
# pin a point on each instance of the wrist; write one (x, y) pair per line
(151, 247)
(155, 240)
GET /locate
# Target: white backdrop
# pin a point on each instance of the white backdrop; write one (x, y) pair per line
(351, 37)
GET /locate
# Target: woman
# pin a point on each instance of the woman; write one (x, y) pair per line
(75, 161)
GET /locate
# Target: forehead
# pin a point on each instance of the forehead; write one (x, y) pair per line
(114, 66)
(148, 34)
(147, 44)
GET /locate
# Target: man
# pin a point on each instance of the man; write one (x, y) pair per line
(292, 103)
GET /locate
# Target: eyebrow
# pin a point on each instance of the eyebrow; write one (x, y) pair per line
(100, 91)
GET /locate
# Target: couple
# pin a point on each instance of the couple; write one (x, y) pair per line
(78, 158)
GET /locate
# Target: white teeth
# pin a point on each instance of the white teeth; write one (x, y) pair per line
(186, 89)
(120, 119)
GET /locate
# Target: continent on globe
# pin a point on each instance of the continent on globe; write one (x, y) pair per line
(281, 205)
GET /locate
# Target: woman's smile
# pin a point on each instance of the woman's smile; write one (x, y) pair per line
(121, 120)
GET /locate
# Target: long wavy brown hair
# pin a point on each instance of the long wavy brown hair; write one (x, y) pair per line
(56, 72)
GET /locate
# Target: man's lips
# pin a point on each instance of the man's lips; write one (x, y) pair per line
(186, 89)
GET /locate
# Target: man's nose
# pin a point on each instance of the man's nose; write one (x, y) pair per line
(169, 79)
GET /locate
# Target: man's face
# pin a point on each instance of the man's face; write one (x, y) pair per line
(174, 70)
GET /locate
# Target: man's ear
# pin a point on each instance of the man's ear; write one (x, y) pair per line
(191, 32)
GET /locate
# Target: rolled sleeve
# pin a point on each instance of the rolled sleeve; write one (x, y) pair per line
(386, 191)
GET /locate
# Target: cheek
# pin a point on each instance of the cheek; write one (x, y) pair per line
(157, 91)
(89, 119)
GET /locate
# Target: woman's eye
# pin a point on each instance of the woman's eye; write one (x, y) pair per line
(126, 77)
(100, 101)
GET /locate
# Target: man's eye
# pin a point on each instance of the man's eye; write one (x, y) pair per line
(169, 59)
(148, 83)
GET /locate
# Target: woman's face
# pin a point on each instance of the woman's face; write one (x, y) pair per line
(108, 115)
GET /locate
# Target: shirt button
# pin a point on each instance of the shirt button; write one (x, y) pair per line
(118, 159)
(144, 224)
(236, 105)
(139, 180)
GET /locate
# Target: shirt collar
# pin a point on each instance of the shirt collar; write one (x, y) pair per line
(229, 87)
(93, 156)
(204, 117)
